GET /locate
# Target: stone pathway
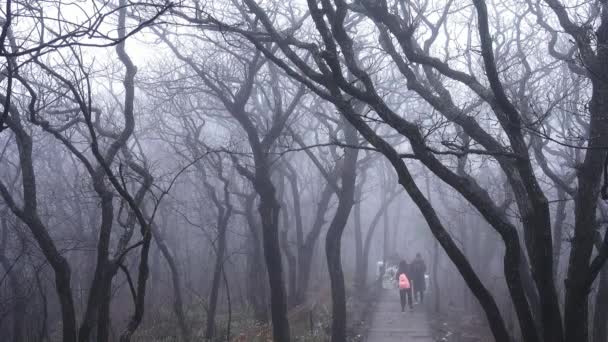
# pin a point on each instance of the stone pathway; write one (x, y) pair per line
(389, 324)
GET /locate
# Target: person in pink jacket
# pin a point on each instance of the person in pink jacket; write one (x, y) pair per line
(405, 286)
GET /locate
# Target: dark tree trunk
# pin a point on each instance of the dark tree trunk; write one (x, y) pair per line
(229, 302)
(178, 305)
(156, 269)
(386, 226)
(295, 278)
(600, 316)
(102, 276)
(291, 270)
(142, 278)
(435, 267)
(437, 296)
(215, 284)
(269, 212)
(585, 201)
(333, 240)
(467, 252)
(19, 304)
(68, 314)
(360, 265)
(531, 291)
(11, 271)
(306, 250)
(44, 332)
(257, 286)
(224, 210)
(558, 227)
(304, 268)
(286, 247)
(104, 320)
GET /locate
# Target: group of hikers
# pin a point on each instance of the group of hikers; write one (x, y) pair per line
(410, 278)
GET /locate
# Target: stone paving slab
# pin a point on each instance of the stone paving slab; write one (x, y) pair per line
(389, 324)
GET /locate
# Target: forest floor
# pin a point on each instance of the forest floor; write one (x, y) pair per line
(457, 326)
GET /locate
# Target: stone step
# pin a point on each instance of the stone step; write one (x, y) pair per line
(389, 324)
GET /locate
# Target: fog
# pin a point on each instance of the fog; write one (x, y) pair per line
(248, 170)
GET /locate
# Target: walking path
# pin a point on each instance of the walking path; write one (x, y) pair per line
(389, 324)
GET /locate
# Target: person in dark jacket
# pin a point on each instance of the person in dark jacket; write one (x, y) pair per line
(404, 293)
(417, 271)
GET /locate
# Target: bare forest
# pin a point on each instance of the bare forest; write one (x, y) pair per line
(271, 170)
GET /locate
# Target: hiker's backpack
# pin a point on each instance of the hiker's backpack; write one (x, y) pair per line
(404, 283)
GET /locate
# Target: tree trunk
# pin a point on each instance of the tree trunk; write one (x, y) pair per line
(336, 275)
(156, 271)
(292, 265)
(256, 284)
(360, 265)
(558, 226)
(295, 296)
(104, 319)
(333, 240)
(68, 315)
(306, 250)
(589, 177)
(44, 332)
(384, 234)
(15, 284)
(305, 265)
(531, 291)
(20, 302)
(102, 274)
(600, 316)
(142, 278)
(437, 297)
(435, 280)
(178, 305)
(269, 212)
(229, 302)
(215, 285)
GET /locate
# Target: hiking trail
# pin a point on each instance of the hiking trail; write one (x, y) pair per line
(389, 324)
